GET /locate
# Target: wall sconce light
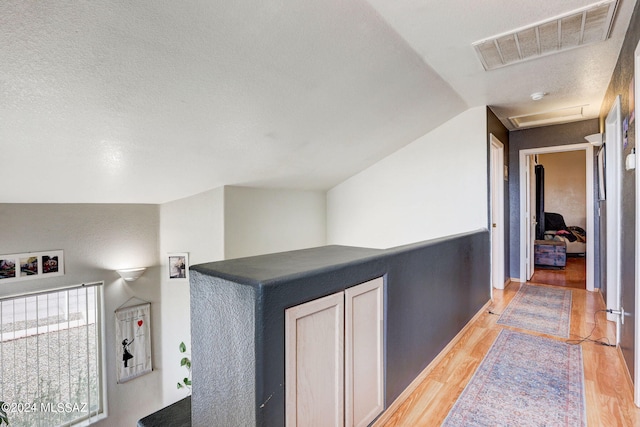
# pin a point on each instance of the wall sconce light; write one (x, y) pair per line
(595, 139)
(131, 274)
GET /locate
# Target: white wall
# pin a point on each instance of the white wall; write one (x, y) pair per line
(226, 222)
(433, 187)
(193, 225)
(97, 240)
(259, 221)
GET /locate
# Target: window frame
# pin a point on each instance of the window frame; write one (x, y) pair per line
(95, 416)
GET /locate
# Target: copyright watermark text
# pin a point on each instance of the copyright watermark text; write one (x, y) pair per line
(51, 407)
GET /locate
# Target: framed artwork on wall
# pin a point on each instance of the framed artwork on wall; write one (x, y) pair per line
(31, 265)
(133, 342)
(178, 266)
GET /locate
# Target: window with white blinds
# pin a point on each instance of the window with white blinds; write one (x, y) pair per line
(51, 357)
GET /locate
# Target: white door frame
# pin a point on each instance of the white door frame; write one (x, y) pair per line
(530, 207)
(636, 380)
(524, 227)
(497, 213)
(613, 158)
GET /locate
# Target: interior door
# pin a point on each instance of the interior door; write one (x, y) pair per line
(530, 206)
(636, 318)
(613, 159)
(314, 363)
(364, 352)
(497, 214)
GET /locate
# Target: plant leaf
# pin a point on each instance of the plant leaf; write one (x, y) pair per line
(183, 347)
(4, 418)
(184, 361)
(179, 385)
(187, 381)
(188, 364)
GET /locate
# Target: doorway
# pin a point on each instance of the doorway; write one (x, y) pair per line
(527, 216)
(497, 213)
(561, 212)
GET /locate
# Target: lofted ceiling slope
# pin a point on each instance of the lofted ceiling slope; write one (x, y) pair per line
(151, 101)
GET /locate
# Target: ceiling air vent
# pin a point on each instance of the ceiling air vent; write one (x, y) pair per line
(563, 115)
(587, 25)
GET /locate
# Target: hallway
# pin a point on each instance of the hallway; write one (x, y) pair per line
(608, 389)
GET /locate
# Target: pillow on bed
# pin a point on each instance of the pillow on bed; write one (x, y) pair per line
(551, 235)
(580, 234)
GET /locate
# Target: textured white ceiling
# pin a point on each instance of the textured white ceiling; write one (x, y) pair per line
(442, 33)
(150, 101)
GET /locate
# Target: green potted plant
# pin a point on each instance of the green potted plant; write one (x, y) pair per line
(186, 362)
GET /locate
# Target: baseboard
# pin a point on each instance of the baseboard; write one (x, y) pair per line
(388, 413)
(627, 375)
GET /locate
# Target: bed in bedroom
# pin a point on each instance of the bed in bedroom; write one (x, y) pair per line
(555, 229)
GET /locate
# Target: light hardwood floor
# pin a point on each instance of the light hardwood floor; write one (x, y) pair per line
(572, 276)
(609, 393)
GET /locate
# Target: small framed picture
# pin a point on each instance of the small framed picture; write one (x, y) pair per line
(52, 262)
(29, 266)
(7, 267)
(178, 266)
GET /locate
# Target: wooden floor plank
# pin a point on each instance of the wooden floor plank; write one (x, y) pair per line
(608, 389)
(571, 276)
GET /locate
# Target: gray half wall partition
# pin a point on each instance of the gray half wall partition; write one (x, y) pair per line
(433, 289)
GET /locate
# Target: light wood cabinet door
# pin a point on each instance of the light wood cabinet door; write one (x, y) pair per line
(364, 370)
(334, 358)
(314, 363)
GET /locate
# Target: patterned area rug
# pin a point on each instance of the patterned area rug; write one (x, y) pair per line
(524, 380)
(540, 309)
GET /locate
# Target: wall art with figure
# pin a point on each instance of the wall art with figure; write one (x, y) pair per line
(133, 342)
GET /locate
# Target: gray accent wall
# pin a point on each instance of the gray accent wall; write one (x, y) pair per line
(231, 381)
(433, 289)
(548, 136)
(622, 76)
